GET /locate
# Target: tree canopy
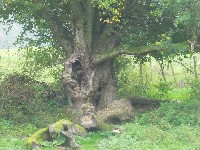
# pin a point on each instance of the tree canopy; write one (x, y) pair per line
(135, 23)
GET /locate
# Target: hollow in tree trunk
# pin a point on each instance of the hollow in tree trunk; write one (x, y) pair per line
(87, 81)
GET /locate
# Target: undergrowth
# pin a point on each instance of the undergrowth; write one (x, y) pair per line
(25, 100)
(172, 126)
(173, 114)
(13, 136)
(151, 137)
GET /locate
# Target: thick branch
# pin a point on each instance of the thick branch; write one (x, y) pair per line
(76, 11)
(89, 16)
(126, 51)
(144, 50)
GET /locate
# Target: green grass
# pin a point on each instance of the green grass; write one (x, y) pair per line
(91, 141)
(152, 137)
(179, 94)
(174, 94)
(174, 126)
(24, 111)
(13, 136)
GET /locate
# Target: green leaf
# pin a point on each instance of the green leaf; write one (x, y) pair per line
(60, 139)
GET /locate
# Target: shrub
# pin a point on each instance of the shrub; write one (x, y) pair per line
(162, 89)
(130, 81)
(195, 89)
(26, 100)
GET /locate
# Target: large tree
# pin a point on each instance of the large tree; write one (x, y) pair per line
(88, 33)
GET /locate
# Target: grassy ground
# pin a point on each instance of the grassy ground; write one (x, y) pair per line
(173, 126)
(13, 136)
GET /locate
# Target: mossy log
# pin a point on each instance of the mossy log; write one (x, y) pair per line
(64, 128)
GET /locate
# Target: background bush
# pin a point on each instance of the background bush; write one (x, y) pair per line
(195, 89)
(25, 100)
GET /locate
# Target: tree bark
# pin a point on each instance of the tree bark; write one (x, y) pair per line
(173, 73)
(195, 67)
(93, 84)
(162, 70)
(106, 84)
(86, 81)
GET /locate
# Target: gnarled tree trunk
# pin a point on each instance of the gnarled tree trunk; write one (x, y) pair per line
(88, 82)
(85, 80)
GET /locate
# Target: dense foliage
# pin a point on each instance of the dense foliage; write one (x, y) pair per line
(25, 100)
(135, 24)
